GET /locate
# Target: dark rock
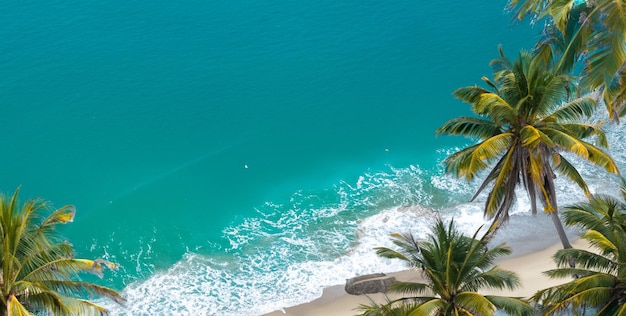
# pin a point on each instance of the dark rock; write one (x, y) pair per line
(368, 284)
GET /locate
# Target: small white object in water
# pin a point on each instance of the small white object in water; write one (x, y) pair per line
(387, 149)
(245, 166)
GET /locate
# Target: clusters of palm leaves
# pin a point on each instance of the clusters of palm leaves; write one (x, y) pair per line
(599, 279)
(40, 274)
(454, 268)
(528, 122)
(528, 118)
(589, 34)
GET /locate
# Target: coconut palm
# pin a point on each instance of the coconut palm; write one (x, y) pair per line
(525, 123)
(595, 32)
(454, 268)
(600, 279)
(39, 270)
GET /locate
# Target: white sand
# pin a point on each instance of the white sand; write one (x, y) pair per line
(336, 302)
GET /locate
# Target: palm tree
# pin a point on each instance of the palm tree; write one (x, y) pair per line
(454, 268)
(39, 271)
(595, 33)
(524, 124)
(600, 279)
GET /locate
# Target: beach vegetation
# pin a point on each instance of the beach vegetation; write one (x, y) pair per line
(599, 279)
(585, 36)
(40, 273)
(524, 122)
(454, 268)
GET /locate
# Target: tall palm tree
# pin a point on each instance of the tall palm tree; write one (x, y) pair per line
(524, 124)
(39, 270)
(454, 268)
(600, 279)
(595, 33)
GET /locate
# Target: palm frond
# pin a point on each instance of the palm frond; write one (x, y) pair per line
(488, 150)
(431, 307)
(476, 303)
(601, 241)
(522, 8)
(61, 216)
(568, 297)
(560, 11)
(531, 137)
(390, 253)
(494, 278)
(582, 131)
(555, 91)
(84, 307)
(470, 94)
(512, 305)
(494, 106)
(38, 267)
(584, 259)
(15, 308)
(451, 263)
(42, 299)
(501, 197)
(470, 127)
(500, 65)
(574, 111)
(89, 289)
(589, 215)
(599, 276)
(390, 308)
(600, 158)
(608, 52)
(565, 168)
(504, 176)
(458, 162)
(409, 288)
(566, 141)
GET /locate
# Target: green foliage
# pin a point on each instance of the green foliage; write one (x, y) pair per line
(524, 124)
(454, 268)
(590, 34)
(39, 271)
(599, 281)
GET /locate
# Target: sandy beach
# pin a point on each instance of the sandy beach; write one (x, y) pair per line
(336, 302)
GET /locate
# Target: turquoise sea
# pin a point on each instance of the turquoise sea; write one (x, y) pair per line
(235, 157)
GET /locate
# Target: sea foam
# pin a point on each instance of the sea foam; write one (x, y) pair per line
(291, 250)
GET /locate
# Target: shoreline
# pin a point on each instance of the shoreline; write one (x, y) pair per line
(528, 266)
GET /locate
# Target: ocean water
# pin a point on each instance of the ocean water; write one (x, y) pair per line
(235, 157)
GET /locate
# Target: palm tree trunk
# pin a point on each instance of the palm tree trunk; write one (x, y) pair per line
(560, 230)
(548, 185)
(564, 240)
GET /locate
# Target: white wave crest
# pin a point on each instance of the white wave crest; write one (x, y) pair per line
(293, 249)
